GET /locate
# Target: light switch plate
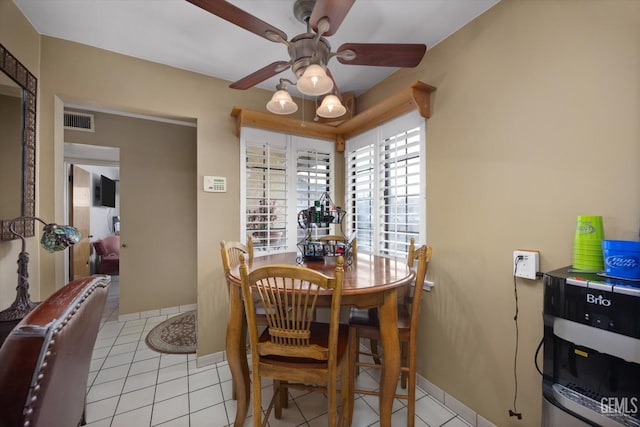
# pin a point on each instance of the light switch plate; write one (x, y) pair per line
(215, 184)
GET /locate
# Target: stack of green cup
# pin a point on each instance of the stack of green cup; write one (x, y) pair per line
(587, 246)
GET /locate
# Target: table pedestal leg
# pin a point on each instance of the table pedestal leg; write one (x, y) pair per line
(237, 353)
(391, 350)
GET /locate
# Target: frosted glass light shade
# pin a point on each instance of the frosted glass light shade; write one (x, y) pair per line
(314, 81)
(281, 103)
(331, 107)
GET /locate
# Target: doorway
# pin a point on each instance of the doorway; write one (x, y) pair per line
(89, 208)
(157, 164)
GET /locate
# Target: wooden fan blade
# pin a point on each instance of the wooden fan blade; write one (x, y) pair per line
(335, 10)
(384, 54)
(239, 17)
(261, 75)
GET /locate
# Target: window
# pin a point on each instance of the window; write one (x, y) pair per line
(384, 186)
(360, 195)
(281, 175)
(266, 195)
(313, 179)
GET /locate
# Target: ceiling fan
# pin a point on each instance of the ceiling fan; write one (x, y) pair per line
(310, 52)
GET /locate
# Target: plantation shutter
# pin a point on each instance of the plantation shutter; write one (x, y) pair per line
(385, 190)
(399, 195)
(266, 195)
(313, 179)
(280, 176)
(360, 193)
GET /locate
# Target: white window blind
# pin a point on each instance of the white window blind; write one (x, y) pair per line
(313, 179)
(280, 176)
(399, 196)
(360, 195)
(266, 196)
(385, 187)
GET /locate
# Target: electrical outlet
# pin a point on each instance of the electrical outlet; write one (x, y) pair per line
(526, 264)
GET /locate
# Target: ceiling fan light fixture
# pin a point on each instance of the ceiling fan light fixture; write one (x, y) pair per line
(281, 103)
(314, 81)
(331, 107)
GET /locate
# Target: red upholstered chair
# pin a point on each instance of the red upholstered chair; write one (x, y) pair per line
(44, 362)
(108, 255)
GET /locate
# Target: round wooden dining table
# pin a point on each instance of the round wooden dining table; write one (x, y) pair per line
(369, 282)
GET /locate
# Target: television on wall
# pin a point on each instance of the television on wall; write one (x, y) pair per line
(106, 192)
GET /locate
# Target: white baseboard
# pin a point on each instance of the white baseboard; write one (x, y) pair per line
(210, 359)
(159, 312)
(466, 413)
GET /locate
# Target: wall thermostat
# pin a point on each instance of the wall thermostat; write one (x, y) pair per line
(215, 184)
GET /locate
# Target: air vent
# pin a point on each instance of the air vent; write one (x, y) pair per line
(78, 121)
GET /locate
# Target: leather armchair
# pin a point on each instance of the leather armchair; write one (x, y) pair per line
(44, 362)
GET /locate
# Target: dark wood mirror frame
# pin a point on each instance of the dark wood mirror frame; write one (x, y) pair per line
(28, 82)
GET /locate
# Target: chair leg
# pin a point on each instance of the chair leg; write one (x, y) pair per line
(83, 418)
(411, 404)
(277, 399)
(405, 362)
(282, 400)
(257, 398)
(243, 338)
(373, 344)
(353, 351)
(332, 401)
(411, 409)
(284, 394)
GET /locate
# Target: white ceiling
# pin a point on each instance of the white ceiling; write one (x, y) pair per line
(179, 34)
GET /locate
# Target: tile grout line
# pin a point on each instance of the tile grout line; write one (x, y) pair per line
(217, 367)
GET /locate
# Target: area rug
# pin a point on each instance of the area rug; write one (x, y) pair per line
(175, 335)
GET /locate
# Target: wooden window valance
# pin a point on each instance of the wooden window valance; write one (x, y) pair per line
(417, 95)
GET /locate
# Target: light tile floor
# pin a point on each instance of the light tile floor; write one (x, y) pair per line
(131, 385)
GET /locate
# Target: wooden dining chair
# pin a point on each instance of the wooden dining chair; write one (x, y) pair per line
(231, 252)
(294, 350)
(364, 324)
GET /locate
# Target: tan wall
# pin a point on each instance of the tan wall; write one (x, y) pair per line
(157, 206)
(19, 37)
(535, 121)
